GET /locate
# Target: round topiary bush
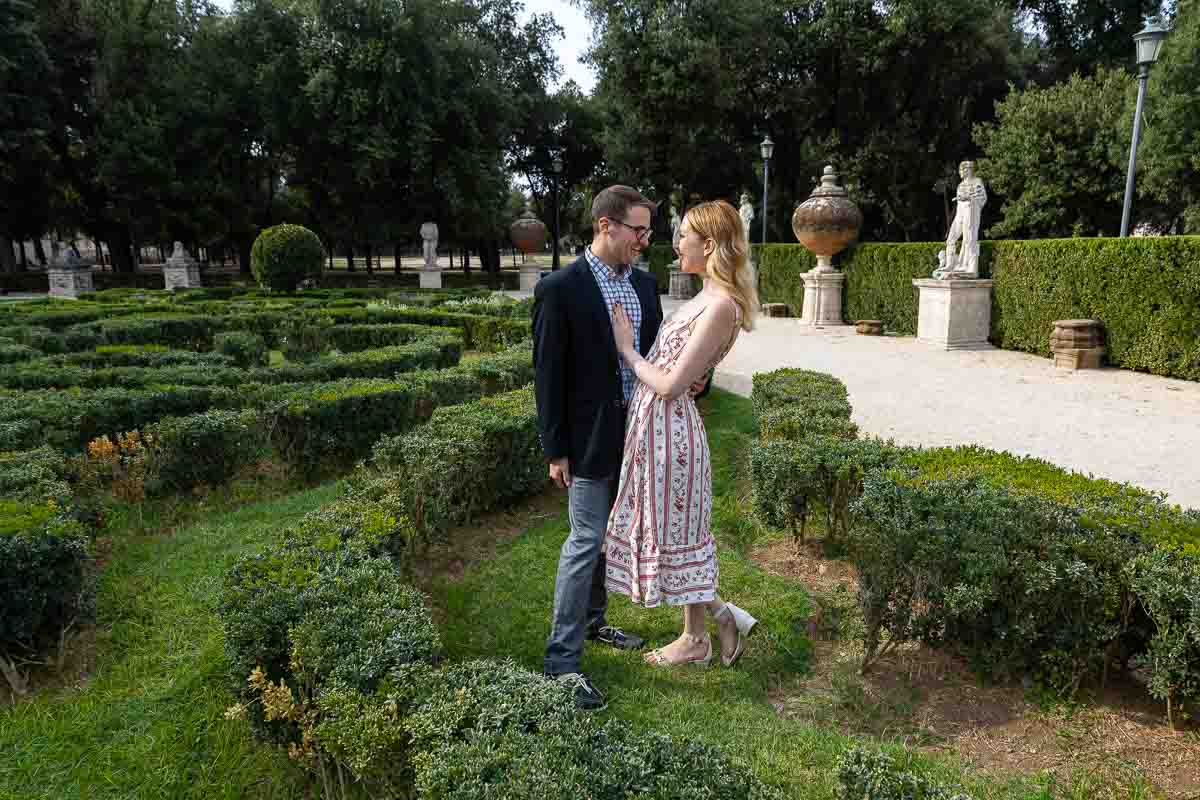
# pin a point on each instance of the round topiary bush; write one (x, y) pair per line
(285, 255)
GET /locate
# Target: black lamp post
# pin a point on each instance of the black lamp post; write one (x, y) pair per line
(557, 167)
(1149, 42)
(767, 148)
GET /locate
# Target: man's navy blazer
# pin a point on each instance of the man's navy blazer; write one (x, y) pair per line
(581, 409)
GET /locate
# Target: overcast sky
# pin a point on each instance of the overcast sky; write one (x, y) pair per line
(570, 48)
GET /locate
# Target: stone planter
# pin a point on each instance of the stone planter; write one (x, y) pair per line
(869, 327)
(1077, 343)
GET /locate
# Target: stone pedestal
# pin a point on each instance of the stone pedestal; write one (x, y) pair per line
(431, 279)
(70, 282)
(181, 270)
(684, 285)
(954, 314)
(530, 275)
(775, 310)
(1077, 343)
(822, 295)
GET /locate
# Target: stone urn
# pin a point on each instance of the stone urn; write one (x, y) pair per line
(529, 236)
(528, 233)
(827, 221)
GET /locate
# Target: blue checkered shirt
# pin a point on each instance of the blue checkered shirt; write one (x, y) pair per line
(618, 288)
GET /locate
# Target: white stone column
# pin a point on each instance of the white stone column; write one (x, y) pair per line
(954, 314)
(822, 295)
(530, 274)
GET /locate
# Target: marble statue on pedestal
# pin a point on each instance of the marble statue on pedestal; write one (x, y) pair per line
(969, 199)
(429, 238)
(746, 212)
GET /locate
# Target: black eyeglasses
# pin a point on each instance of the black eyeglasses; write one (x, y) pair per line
(640, 231)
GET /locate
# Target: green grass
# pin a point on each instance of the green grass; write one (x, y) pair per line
(149, 721)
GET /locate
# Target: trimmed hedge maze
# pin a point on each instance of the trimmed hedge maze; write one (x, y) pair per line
(128, 395)
(331, 654)
(1024, 568)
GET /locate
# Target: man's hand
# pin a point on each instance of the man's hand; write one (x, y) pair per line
(560, 473)
(698, 387)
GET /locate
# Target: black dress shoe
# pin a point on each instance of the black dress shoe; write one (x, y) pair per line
(587, 696)
(615, 637)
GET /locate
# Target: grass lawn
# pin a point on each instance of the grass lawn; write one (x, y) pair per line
(148, 723)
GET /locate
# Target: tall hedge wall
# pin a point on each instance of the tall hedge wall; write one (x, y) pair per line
(1146, 291)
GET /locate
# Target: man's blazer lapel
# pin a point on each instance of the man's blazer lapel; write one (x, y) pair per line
(647, 291)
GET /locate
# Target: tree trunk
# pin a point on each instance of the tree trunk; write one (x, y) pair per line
(244, 245)
(119, 248)
(99, 253)
(396, 258)
(466, 260)
(7, 262)
(349, 257)
(370, 252)
(489, 256)
(38, 251)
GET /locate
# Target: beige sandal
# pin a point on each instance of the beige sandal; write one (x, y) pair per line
(744, 623)
(657, 658)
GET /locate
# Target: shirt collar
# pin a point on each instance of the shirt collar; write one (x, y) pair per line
(614, 273)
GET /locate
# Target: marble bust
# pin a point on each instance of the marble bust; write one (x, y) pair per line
(960, 259)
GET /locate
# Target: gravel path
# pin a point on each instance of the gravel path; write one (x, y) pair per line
(1112, 423)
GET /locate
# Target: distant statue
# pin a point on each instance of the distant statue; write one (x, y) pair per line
(429, 237)
(675, 223)
(969, 199)
(746, 212)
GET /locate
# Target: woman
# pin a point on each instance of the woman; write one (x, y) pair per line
(659, 545)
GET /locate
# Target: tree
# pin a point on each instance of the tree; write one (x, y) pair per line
(1169, 156)
(1050, 156)
(1083, 35)
(25, 124)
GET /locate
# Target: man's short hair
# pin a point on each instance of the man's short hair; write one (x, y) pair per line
(615, 202)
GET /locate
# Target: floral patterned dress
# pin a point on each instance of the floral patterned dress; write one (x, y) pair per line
(659, 544)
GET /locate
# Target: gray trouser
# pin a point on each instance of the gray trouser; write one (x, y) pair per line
(580, 598)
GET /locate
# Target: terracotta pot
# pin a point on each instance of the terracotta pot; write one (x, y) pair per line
(828, 220)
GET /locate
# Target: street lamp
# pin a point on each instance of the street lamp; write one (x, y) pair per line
(557, 167)
(767, 148)
(1149, 42)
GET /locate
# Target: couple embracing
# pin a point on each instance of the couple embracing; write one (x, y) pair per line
(618, 423)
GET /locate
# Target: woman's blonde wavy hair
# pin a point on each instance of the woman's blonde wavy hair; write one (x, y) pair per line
(728, 266)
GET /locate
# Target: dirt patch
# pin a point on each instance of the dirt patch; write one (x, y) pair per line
(477, 542)
(930, 700)
(65, 669)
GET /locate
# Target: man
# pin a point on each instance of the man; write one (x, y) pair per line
(583, 390)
